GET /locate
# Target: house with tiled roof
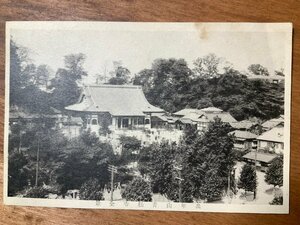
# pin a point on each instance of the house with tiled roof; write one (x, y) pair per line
(261, 159)
(272, 140)
(200, 118)
(115, 106)
(244, 140)
(269, 124)
(245, 125)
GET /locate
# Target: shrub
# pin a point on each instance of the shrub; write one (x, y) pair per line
(138, 190)
(91, 190)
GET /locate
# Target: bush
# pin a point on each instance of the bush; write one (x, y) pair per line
(91, 190)
(138, 190)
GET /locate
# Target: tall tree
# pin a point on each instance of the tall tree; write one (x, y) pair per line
(210, 156)
(120, 74)
(207, 66)
(66, 90)
(18, 81)
(248, 180)
(166, 83)
(156, 162)
(274, 174)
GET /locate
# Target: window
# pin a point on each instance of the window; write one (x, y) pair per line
(147, 121)
(94, 122)
(125, 122)
(140, 120)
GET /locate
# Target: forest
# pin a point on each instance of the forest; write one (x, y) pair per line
(169, 84)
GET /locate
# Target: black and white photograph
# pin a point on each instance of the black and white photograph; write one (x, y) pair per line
(148, 116)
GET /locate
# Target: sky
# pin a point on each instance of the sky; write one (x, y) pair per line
(137, 45)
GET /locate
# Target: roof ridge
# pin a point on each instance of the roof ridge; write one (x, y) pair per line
(115, 86)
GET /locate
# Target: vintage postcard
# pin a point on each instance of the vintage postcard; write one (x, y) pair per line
(148, 116)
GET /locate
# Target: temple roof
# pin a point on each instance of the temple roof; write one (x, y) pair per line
(118, 100)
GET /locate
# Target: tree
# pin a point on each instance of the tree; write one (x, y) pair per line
(18, 173)
(130, 149)
(160, 167)
(166, 83)
(207, 66)
(83, 160)
(25, 78)
(248, 180)
(212, 187)
(18, 80)
(138, 190)
(74, 65)
(120, 74)
(258, 69)
(274, 174)
(209, 161)
(42, 74)
(91, 190)
(66, 91)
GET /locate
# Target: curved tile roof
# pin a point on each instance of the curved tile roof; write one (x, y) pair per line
(118, 100)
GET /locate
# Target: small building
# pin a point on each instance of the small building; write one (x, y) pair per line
(272, 141)
(184, 112)
(263, 160)
(115, 107)
(21, 116)
(71, 126)
(244, 140)
(245, 125)
(200, 118)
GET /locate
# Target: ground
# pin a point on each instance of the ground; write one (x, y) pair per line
(265, 192)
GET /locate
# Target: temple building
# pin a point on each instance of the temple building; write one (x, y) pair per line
(114, 107)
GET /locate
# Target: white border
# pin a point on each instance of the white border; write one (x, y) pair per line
(167, 206)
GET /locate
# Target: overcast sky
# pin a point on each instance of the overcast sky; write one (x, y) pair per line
(137, 45)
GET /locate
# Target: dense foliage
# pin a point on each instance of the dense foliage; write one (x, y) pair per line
(32, 87)
(91, 190)
(84, 160)
(138, 190)
(199, 165)
(248, 180)
(171, 85)
(274, 174)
